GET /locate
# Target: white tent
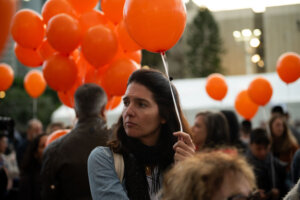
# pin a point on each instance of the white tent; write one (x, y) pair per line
(65, 115)
(194, 97)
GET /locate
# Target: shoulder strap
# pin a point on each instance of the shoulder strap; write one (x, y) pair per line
(119, 165)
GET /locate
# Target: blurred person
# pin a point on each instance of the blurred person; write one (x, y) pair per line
(245, 130)
(295, 167)
(210, 176)
(199, 131)
(64, 166)
(54, 126)
(279, 110)
(217, 131)
(30, 179)
(145, 138)
(284, 144)
(269, 171)
(234, 130)
(4, 180)
(34, 128)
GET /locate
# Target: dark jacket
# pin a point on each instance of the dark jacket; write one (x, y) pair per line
(270, 173)
(64, 168)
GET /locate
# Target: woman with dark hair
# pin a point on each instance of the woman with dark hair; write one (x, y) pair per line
(30, 179)
(234, 130)
(146, 138)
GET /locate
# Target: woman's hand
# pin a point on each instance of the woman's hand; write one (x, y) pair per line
(184, 147)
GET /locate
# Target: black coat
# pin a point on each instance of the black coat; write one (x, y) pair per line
(64, 167)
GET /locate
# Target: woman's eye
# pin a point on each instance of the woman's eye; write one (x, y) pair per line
(126, 103)
(142, 105)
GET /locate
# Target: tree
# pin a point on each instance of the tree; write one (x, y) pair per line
(204, 45)
(18, 105)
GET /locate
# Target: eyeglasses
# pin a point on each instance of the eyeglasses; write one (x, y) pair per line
(253, 196)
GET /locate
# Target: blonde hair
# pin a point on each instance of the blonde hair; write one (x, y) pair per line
(199, 177)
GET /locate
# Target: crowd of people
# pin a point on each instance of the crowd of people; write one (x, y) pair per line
(145, 156)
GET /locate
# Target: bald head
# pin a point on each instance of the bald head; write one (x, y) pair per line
(90, 100)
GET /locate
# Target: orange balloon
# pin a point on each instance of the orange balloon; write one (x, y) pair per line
(155, 25)
(216, 86)
(56, 134)
(113, 9)
(6, 76)
(91, 18)
(45, 50)
(83, 6)
(244, 106)
(34, 83)
(288, 67)
(7, 10)
(260, 91)
(60, 72)
(55, 7)
(135, 55)
(113, 102)
(116, 76)
(127, 43)
(99, 45)
(28, 28)
(28, 57)
(63, 33)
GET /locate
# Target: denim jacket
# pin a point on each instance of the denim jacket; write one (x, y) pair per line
(104, 181)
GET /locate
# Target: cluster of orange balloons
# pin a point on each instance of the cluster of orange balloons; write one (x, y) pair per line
(76, 43)
(259, 93)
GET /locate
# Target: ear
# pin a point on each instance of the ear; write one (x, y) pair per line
(103, 113)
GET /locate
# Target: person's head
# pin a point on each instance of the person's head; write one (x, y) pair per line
(3, 143)
(149, 109)
(34, 128)
(90, 100)
(278, 126)
(246, 127)
(199, 131)
(209, 175)
(34, 153)
(259, 143)
(217, 130)
(233, 126)
(282, 138)
(54, 126)
(277, 110)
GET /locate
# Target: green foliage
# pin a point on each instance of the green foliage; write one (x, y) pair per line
(205, 45)
(19, 105)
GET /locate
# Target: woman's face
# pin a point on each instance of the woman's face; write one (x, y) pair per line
(199, 131)
(277, 127)
(41, 147)
(141, 117)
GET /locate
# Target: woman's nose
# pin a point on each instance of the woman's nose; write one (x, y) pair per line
(129, 110)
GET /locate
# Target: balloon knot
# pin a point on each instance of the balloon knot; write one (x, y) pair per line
(171, 78)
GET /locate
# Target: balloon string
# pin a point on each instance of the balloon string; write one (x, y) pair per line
(287, 97)
(34, 107)
(164, 59)
(266, 120)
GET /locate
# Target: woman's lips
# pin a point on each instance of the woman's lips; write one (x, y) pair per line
(130, 124)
